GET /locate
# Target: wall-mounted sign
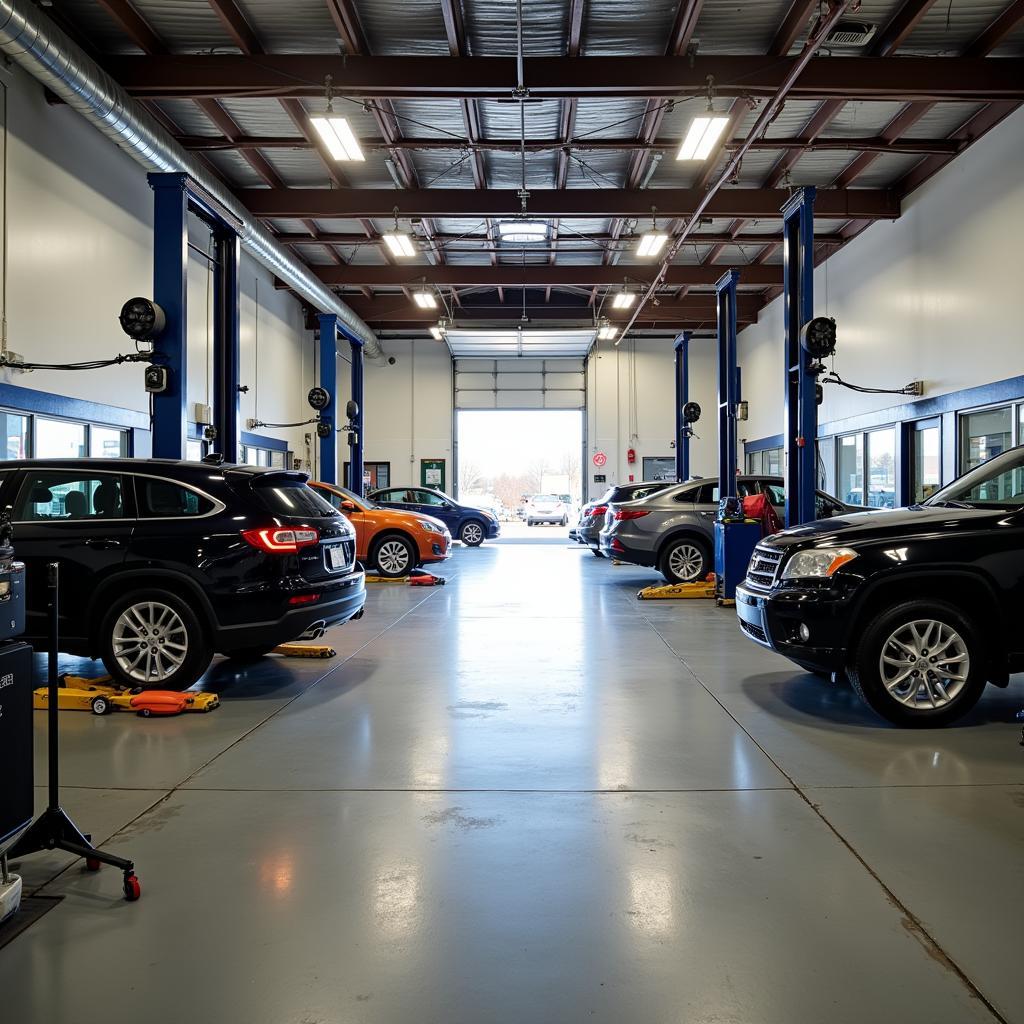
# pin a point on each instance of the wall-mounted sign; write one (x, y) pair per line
(432, 473)
(600, 459)
(600, 478)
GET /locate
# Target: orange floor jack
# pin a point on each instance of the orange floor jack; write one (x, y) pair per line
(422, 578)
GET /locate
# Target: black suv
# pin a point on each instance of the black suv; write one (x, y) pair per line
(920, 606)
(164, 563)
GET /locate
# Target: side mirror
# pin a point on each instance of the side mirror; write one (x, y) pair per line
(348, 506)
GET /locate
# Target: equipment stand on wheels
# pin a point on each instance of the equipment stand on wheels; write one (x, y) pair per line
(53, 829)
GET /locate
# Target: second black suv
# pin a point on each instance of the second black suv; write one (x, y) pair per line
(163, 563)
(920, 606)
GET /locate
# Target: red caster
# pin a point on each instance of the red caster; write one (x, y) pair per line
(92, 864)
(132, 888)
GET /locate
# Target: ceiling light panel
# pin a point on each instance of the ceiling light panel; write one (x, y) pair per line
(701, 138)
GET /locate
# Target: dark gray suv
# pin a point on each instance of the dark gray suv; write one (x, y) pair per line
(673, 530)
(588, 530)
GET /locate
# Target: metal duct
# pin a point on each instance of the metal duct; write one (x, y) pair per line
(34, 42)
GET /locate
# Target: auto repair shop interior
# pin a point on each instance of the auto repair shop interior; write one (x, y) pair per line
(511, 511)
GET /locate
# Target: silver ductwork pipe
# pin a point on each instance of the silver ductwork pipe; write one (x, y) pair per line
(35, 43)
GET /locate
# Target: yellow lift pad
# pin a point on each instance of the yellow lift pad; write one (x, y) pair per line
(306, 651)
(387, 579)
(677, 592)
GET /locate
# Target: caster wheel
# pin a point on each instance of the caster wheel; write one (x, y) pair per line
(92, 864)
(132, 888)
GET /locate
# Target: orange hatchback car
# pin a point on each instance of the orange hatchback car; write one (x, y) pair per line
(388, 541)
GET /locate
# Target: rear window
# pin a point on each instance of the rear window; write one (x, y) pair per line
(164, 499)
(284, 498)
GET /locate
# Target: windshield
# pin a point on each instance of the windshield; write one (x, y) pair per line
(998, 483)
(544, 499)
(363, 503)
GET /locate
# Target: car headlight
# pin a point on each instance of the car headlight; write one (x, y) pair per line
(429, 527)
(817, 563)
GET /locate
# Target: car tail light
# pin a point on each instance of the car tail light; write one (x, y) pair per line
(617, 544)
(304, 599)
(276, 540)
(630, 513)
(599, 511)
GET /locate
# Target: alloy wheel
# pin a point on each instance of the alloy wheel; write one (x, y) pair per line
(150, 642)
(472, 534)
(924, 664)
(686, 562)
(393, 557)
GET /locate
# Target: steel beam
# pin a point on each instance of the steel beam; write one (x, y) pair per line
(532, 276)
(801, 407)
(197, 76)
(867, 204)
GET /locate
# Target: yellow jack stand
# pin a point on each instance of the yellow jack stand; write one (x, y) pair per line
(306, 651)
(387, 579)
(677, 591)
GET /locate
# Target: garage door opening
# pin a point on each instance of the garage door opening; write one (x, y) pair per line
(506, 457)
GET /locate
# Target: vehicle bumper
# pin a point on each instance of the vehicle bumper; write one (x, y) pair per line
(774, 619)
(493, 530)
(613, 546)
(340, 600)
(438, 549)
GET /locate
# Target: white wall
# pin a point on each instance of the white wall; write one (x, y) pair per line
(408, 409)
(932, 296)
(80, 243)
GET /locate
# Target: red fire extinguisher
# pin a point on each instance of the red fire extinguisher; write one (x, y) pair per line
(631, 455)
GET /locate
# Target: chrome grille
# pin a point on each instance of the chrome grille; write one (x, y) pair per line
(755, 631)
(764, 567)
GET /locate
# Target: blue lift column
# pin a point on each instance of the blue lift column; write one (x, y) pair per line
(170, 293)
(682, 347)
(355, 461)
(801, 392)
(728, 383)
(226, 355)
(329, 382)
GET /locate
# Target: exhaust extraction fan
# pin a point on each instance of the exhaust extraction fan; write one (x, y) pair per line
(850, 35)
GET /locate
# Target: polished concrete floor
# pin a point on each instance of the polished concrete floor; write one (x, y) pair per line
(527, 797)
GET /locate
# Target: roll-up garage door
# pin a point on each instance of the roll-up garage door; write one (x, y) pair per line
(520, 384)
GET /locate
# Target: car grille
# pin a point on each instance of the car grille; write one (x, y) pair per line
(755, 631)
(764, 567)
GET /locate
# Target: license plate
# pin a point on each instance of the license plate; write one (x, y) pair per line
(336, 556)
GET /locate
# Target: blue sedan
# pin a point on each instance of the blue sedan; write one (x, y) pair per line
(470, 525)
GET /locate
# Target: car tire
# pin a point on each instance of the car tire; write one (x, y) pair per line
(184, 652)
(393, 556)
(565, 522)
(910, 634)
(472, 533)
(685, 560)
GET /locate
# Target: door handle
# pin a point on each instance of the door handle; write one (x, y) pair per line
(708, 515)
(104, 544)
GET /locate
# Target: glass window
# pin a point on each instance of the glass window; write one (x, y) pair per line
(773, 462)
(998, 483)
(882, 468)
(850, 469)
(689, 496)
(291, 498)
(776, 494)
(164, 499)
(429, 498)
(59, 439)
(194, 450)
(708, 494)
(926, 475)
(108, 443)
(15, 436)
(277, 459)
(69, 495)
(984, 435)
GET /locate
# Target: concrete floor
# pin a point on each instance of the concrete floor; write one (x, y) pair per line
(526, 797)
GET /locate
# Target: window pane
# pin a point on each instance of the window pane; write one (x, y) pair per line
(984, 435)
(277, 459)
(427, 498)
(850, 469)
(59, 439)
(108, 443)
(68, 495)
(194, 451)
(163, 499)
(15, 436)
(882, 468)
(773, 462)
(926, 463)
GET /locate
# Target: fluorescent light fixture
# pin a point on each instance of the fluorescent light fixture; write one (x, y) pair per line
(523, 230)
(651, 243)
(701, 138)
(623, 300)
(437, 333)
(400, 243)
(425, 299)
(337, 136)
(607, 332)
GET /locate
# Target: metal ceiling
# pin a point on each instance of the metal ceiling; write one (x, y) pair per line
(583, 145)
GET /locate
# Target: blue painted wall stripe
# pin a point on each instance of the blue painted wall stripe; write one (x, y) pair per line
(44, 403)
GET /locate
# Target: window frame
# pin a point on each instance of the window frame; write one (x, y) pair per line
(1013, 407)
(32, 434)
